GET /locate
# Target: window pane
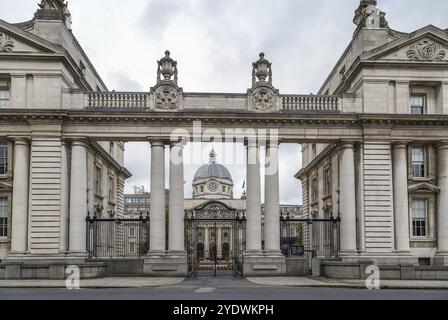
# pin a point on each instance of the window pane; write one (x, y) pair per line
(418, 154)
(417, 101)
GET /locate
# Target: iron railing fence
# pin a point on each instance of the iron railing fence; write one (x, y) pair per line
(310, 238)
(117, 238)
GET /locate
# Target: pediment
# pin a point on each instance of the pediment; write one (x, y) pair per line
(429, 44)
(15, 40)
(423, 187)
(5, 186)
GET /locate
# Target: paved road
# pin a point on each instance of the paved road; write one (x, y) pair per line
(221, 289)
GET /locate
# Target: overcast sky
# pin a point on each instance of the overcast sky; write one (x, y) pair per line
(215, 43)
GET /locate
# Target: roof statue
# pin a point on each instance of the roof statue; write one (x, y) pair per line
(368, 15)
(55, 10)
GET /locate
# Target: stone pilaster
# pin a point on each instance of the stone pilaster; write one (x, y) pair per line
(442, 207)
(347, 199)
(65, 188)
(19, 225)
(78, 198)
(401, 199)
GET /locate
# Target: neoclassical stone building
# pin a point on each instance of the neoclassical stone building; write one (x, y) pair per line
(41, 64)
(212, 196)
(375, 153)
(397, 187)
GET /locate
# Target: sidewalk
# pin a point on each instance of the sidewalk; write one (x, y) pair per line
(335, 283)
(129, 282)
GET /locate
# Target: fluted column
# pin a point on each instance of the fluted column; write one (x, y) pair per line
(442, 208)
(19, 225)
(401, 201)
(347, 198)
(157, 209)
(176, 217)
(253, 202)
(78, 198)
(272, 201)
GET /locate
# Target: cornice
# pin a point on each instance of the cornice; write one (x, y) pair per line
(97, 148)
(213, 117)
(317, 160)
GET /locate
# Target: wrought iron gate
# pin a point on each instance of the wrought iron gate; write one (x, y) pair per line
(215, 246)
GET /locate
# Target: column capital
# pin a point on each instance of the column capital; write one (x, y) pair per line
(19, 140)
(442, 145)
(157, 143)
(346, 144)
(251, 142)
(273, 143)
(399, 144)
(81, 142)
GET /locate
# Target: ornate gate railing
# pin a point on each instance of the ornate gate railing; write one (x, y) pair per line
(310, 238)
(117, 238)
(215, 246)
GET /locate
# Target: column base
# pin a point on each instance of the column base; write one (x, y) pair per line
(157, 253)
(263, 266)
(166, 266)
(273, 253)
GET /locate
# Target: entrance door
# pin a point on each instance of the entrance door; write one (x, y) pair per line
(215, 246)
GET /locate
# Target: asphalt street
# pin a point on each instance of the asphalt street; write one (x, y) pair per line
(220, 289)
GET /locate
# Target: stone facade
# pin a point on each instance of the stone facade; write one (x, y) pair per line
(374, 145)
(396, 184)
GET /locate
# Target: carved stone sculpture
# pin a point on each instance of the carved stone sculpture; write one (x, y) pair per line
(263, 99)
(166, 97)
(426, 50)
(6, 44)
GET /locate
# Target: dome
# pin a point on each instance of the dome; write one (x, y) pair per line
(213, 170)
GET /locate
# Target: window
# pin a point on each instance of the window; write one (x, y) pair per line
(132, 247)
(3, 217)
(111, 188)
(314, 190)
(202, 189)
(419, 217)
(223, 189)
(418, 161)
(132, 232)
(4, 94)
(327, 181)
(417, 104)
(3, 158)
(98, 180)
(111, 147)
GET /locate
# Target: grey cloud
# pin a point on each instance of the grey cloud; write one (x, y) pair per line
(121, 81)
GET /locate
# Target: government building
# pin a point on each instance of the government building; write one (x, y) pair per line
(374, 151)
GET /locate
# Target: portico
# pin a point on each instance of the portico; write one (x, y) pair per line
(374, 155)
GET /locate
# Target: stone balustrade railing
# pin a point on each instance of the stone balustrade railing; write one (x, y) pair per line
(116, 100)
(310, 103)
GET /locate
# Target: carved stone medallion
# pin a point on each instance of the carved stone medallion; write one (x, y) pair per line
(263, 99)
(426, 50)
(166, 97)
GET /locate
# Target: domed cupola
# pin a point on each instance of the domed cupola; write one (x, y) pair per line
(212, 181)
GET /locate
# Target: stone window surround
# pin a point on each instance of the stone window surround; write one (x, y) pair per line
(5, 83)
(429, 165)
(8, 197)
(9, 158)
(430, 217)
